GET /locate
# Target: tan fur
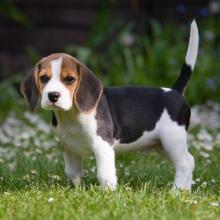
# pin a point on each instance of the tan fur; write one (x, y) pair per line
(68, 69)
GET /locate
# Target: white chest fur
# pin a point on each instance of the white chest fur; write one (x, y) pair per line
(76, 131)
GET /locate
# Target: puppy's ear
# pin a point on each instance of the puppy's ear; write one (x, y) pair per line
(30, 90)
(89, 89)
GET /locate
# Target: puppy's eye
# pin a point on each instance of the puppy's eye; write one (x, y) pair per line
(44, 79)
(69, 80)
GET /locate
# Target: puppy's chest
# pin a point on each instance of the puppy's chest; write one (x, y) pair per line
(74, 136)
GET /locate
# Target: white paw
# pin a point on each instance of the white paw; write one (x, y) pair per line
(76, 180)
(108, 183)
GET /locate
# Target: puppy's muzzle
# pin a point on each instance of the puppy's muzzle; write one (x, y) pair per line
(53, 96)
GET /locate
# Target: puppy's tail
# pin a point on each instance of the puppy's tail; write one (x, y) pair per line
(190, 59)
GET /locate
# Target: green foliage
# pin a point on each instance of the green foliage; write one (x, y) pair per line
(9, 98)
(8, 9)
(38, 189)
(127, 58)
(33, 55)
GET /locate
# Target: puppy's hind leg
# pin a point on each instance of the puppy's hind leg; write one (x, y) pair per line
(174, 141)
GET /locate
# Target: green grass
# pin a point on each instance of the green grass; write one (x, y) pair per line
(31, 173)
(143, 191)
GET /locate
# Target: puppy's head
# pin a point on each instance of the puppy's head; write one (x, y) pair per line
(59, 81)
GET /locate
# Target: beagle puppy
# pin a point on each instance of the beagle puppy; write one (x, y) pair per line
(91, 119)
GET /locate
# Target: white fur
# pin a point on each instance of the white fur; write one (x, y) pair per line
(55, 85)
(192, 50)
(166, 89)
(78, 133)
(174, 141)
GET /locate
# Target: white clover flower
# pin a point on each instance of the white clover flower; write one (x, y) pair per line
(207, 145)
(26, 177)
(33, 172)
(56, 177)
(216, 204)
(33, 119)
(204, 184)
(213, 180)
(194, 202)
(50, 200)
(127, 173)
(92, 169)
(206, 115)
(204, 154)
(198, 180)
(203, 135)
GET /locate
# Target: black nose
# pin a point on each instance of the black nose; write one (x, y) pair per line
(53, 96)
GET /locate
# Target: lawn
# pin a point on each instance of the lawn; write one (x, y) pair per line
(32, 180)
(33, 184)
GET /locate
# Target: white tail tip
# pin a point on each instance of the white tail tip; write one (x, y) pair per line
(192, 50)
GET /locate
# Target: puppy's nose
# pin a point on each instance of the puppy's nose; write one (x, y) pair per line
(53, 96)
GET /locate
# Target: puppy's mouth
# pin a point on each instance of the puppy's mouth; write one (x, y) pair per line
(54, 107)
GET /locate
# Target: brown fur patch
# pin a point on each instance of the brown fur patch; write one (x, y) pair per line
(69, 68)
(85, 91)
(88, 91)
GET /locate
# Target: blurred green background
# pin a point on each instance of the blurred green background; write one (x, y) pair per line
(123, 42)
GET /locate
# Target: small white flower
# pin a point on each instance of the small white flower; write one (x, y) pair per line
(208, 161)
(93, 169)
(56, 177)
(198, 180)
(204, 135)
(33, 172)
(26, 177)
(204, 184)
(215, 204)
(121, 165)
(194, 202)
(50, 200)
(204, 154)
(213, 181)
(127, 173)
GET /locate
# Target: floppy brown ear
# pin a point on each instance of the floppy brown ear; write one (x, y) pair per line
(29, 89)
(89, 89)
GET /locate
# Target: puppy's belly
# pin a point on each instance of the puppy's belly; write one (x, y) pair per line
(145, 143)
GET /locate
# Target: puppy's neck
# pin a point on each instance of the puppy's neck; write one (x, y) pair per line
(66, 116)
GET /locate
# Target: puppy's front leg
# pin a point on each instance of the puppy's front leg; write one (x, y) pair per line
(105, 161)
(73, 166)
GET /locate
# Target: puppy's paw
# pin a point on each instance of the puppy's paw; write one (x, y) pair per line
(108, 183)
